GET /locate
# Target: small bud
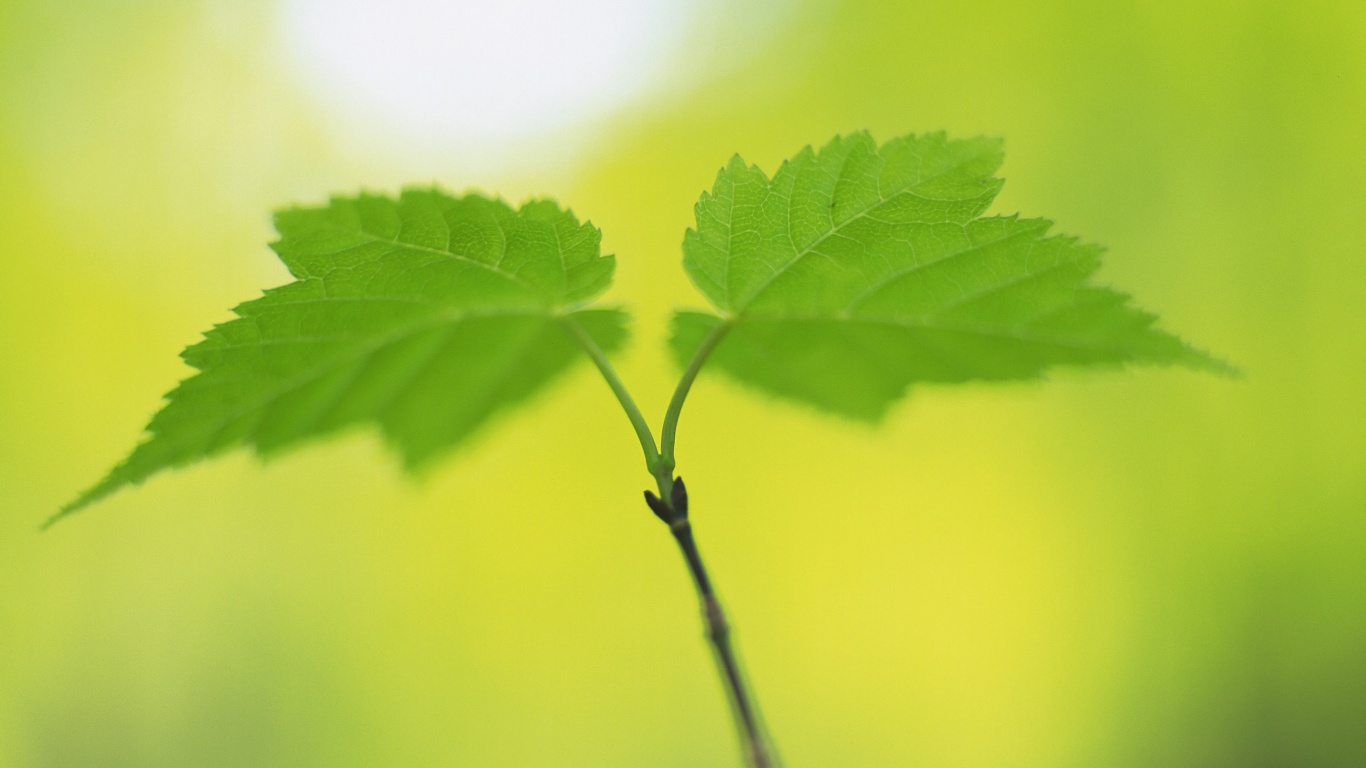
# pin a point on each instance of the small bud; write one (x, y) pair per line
(680, 498)
(657, 506)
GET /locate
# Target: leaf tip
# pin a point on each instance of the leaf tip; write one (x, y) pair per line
(55, 518)
(94, 494)
(1204, 361)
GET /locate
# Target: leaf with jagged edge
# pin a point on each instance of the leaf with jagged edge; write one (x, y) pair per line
(424, 314)
(858, 270)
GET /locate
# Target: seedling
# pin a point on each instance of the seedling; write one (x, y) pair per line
(852, 273)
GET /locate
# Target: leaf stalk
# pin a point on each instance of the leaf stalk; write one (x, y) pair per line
(668, 435)
(628, 404)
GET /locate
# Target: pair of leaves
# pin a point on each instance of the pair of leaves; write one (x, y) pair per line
(853, 272)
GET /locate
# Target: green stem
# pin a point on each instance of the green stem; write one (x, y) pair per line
(642, 427)
(672, 507)
(743, 705)
(669, 433)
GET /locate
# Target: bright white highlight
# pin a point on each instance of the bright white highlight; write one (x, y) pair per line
(487, 72)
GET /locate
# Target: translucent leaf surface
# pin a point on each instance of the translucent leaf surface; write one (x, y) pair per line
(858, 270)
(424, 315)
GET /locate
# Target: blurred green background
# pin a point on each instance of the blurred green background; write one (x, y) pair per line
(1153, 568)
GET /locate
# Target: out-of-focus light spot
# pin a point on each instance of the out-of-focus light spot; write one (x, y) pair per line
(480, 73)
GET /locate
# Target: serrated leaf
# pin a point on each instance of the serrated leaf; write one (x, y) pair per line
(858, 270)
(424, 315)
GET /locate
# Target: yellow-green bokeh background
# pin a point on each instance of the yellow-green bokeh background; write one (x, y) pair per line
(1153, 568)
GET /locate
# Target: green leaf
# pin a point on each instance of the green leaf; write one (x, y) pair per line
(424, 315)
(858, 270)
